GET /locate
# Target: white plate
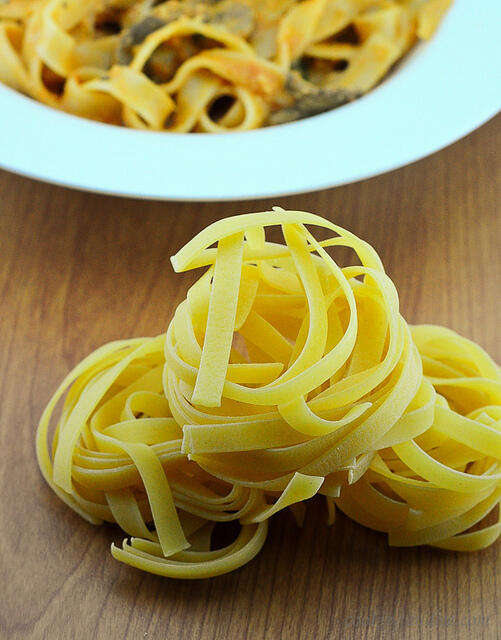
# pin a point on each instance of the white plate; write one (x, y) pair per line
(443, 90)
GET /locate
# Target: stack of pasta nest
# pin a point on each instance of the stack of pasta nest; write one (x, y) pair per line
(281, 376)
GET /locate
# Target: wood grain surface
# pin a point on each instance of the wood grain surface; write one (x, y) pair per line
(77, 270)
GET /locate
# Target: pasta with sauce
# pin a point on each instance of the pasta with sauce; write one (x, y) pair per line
(213, 66)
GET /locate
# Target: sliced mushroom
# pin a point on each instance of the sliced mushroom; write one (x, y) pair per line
(136, 35)
(308, 100)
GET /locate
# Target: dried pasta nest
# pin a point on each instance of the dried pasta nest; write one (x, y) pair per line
(281, 375)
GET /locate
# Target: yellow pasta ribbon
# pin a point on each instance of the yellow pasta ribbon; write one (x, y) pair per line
(281, 375)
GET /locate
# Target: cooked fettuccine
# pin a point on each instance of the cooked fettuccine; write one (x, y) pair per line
(190, 65)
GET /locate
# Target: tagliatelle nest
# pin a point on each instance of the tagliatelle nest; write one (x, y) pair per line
(282, 375)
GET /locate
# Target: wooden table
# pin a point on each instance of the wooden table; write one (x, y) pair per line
(77, 270)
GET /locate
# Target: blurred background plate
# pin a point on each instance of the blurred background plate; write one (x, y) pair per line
(444, 89)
